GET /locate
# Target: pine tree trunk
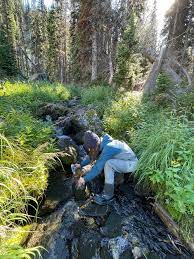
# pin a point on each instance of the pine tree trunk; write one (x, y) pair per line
(94, 56)
(150, 83)
(110, 62)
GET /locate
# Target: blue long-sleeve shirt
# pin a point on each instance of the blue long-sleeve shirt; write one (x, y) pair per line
(110, 148)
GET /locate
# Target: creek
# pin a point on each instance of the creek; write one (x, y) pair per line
(72, 226)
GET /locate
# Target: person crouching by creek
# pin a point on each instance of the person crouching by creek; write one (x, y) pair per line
(108, 154)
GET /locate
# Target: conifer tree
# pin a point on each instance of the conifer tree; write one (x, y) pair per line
(74, 68)
(8, 32)
(39, 43)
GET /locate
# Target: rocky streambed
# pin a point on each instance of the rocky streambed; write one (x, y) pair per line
(72, 226)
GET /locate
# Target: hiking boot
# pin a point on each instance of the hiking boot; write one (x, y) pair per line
(102, 199)
(106, 197)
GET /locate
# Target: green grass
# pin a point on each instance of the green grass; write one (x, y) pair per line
(122, 116)
(164, 144)
(23, 178)
(99, 97)
(17, 252)
(165, 149)
(29, 96)
(27, 151)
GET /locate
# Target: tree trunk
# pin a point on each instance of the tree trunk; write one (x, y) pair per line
(94, 56)
(171, 73)
(150, 83)
(110, 62)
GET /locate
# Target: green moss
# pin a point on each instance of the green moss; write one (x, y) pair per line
(17, 236)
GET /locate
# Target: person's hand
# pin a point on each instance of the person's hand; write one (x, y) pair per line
(74, 167)
(80, 182)
(77, 166)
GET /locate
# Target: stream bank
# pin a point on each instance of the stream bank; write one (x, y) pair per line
(74, 227)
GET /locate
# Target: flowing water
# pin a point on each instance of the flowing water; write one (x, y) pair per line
(72, 226)
(76, 228)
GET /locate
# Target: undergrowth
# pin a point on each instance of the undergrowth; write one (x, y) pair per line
(162, 140)
(121, 117)
(164, 144)
(27, 151)
(99, 97)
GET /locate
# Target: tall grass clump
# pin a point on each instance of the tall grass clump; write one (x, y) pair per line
(27, 97)
(122, 116)
(27, 151)
(23, 178)
(99, 96)
(165, 149)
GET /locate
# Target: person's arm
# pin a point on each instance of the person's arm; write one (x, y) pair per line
(85, 162)
(106, 154)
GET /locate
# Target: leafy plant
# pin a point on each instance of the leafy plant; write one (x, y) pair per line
(165, 148)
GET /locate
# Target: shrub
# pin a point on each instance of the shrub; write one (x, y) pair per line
(163, 83)
(165, 148)
(122, 116)
(99, 96)
(25, 129)
(75, 90)
(28, 97)
(185, 105)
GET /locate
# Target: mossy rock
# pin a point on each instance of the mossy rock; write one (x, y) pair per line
(54, 110)
(68, 156)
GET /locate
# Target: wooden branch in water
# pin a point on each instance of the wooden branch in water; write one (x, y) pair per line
(170, 223)
(167, 220)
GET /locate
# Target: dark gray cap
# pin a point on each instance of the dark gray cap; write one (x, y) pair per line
(91, 140)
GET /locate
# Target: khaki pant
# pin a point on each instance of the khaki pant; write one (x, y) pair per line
(120, 166)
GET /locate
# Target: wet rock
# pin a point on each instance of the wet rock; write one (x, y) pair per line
(77, 121)
(53, 233)
(81, 194)
(117, 246)
(94, 210)
(68, 157)
(89, 245)
(90, 222)
(64, 142)
(70, 124)
(89, 119)
(112, 226)
(73, 102)
(59, 190)
(68, 154)
(78, 228)
(54, 110)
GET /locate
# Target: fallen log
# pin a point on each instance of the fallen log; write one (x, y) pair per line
(166, 219)
(170, 223)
